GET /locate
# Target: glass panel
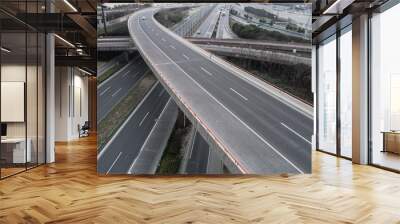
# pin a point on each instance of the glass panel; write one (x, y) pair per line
(41, 99)
(23, 87)
(385, 89)
(327, 96)
(31, 98)
(346, 93)
(13, 87)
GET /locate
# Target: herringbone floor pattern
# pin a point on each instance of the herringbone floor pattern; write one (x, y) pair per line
(70, 191)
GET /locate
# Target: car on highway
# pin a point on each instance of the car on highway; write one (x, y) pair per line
(198, 32)
(144, 18)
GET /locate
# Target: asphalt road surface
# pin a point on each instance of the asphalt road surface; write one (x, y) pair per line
(118, 85)
(224, 31)
(198, 159)
(122, 150)
(262, 133)
(207, 27)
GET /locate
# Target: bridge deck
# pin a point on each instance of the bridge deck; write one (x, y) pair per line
(254, 130)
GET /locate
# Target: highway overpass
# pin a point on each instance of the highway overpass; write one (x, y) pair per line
(283, 53)
(254, 127)
(116, 43)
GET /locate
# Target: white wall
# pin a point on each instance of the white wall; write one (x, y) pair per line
(71, 87)
(33, 126)
(62, 82)
(15, 73)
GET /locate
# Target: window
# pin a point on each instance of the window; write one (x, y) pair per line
(346, 95)
(385, 89)
(327, 95)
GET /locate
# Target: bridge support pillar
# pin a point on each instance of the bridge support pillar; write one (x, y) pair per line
(215, 165)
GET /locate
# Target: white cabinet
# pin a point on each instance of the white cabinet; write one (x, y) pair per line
(19, 154)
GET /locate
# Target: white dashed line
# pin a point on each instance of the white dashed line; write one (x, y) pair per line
(116, 92)
(239, 94)
(144, 118)
(126, 73)
(102, 93)
(209, 73)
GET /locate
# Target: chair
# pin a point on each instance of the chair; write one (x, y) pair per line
(84, 130)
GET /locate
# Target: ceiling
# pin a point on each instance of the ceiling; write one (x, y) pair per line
(74, 22)
(327, 13)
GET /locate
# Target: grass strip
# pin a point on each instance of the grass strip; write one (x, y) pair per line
(172, 157)
(114, 119)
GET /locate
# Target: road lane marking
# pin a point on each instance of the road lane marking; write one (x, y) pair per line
(112, 165)
(135, 74)
(161, 93)
(284, 125)
(172, 47)
(116, 92)
(187, 58)
(209, 73)
(144, 118)
(242, 169)
(163, 39)
(102, 93)
(126, 73)
(239, 94)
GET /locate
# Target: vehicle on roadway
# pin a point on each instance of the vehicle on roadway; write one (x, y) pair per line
(144, 18)
(198, 32)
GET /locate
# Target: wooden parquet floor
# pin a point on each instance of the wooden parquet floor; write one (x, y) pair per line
(70, 191)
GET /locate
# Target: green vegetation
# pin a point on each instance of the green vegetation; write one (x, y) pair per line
(259, 12)
(100, 63)
(295, 79)
(170, 17)
(256, 33)
(172, 156)
(114, 119)
(116, 30)
(107, 74)
(294, 27)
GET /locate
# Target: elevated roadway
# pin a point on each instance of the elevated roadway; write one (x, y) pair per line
(254, 127)
(206, 29)
(284, 47)
(276, 52)
(224, 30)
(115, 44)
